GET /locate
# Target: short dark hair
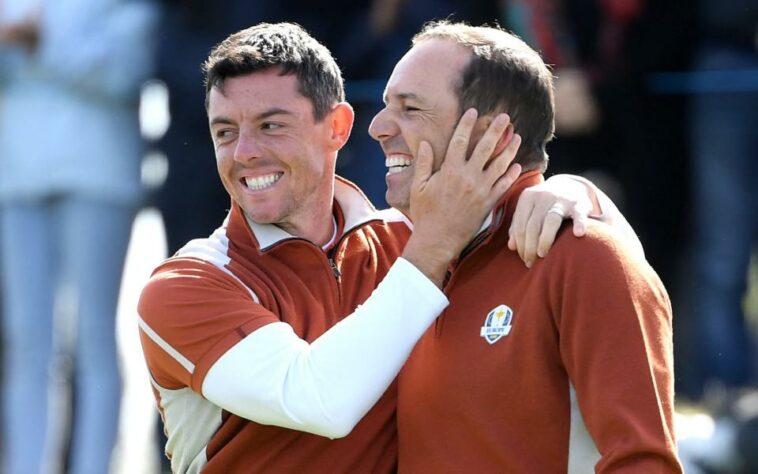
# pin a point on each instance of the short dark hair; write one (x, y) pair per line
(286, 46)
(503, 75)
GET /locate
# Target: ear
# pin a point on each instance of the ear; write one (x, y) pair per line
(341, 119)
(505, 138)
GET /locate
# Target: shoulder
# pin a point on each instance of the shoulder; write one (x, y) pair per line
(602, 258)
(601, 245)
(186, 289)
(190, 313)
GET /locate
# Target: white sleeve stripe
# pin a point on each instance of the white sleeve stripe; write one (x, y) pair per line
(214, 250)
(189, 366)
(249, 290)
(273, 377)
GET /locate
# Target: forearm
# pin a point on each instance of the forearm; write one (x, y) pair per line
(274, 377)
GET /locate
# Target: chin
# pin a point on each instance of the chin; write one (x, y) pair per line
(260, 216)
(402, 205)
(398, 196)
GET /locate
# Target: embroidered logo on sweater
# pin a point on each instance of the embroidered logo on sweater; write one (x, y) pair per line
(497, 324)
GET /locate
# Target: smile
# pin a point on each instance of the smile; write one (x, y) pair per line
(396, 163)
(258, 183)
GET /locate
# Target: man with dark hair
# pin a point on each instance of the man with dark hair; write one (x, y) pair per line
(269, 337)
(521, 370)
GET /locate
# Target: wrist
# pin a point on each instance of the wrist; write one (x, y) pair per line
(429, 257)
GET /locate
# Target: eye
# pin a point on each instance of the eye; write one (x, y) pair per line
(223, 134)
(410, 108)
(271, 126)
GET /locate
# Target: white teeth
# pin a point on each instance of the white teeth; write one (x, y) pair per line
(262, 182)
(396, 163)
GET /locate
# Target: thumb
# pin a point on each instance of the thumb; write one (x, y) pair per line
(580, 225)
(423, 164)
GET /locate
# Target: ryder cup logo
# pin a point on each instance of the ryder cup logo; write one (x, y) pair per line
(497, 324)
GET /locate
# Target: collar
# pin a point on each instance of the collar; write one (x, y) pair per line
(504, 209)
(350, 209)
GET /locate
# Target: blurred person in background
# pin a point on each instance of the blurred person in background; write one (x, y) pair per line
(724, 146)
(614, 127)
(723, 97)
(610, 125)
(69, 188)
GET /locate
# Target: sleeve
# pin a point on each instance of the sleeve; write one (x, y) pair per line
(105, 49)
(614, 319)
(271, 376)
(190, 313)
(611, 215)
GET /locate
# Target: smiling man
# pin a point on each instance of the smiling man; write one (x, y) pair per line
(525, 367)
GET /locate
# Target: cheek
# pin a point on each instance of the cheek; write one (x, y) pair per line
(223, 163)
(440, 150)
(413, 133)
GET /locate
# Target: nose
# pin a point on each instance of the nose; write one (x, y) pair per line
(382, 126)
(247, 148)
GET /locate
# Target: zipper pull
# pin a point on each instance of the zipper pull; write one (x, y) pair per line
(335, 270)
(446, 280)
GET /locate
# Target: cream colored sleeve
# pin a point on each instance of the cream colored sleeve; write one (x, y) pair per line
(273, 377)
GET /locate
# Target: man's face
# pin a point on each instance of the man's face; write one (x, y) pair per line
(420, 104)
(273, 158)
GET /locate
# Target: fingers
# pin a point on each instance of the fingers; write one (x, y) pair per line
(528, 245)
(501, 162)
(550, 226)
(502, 171)
(456, 150)
(520, 217)
(535, 224)
(486, 146)
(504, 183)
(580, 224)
(423, 164)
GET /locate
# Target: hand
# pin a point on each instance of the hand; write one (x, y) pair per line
(383, 16)
(541, 210)
(449, 206)
(576, 109)
(24, 33)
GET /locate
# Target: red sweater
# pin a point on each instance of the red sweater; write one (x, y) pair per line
(489, 387)
(202, 302)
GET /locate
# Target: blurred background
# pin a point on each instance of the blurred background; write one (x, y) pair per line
(106, 167)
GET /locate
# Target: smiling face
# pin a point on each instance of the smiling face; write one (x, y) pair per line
(420, 104)
(274, 159)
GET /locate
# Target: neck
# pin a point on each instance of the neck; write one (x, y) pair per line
(317, 226)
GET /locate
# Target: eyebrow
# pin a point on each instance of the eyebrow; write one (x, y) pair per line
(403, 96)
(222, 119)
